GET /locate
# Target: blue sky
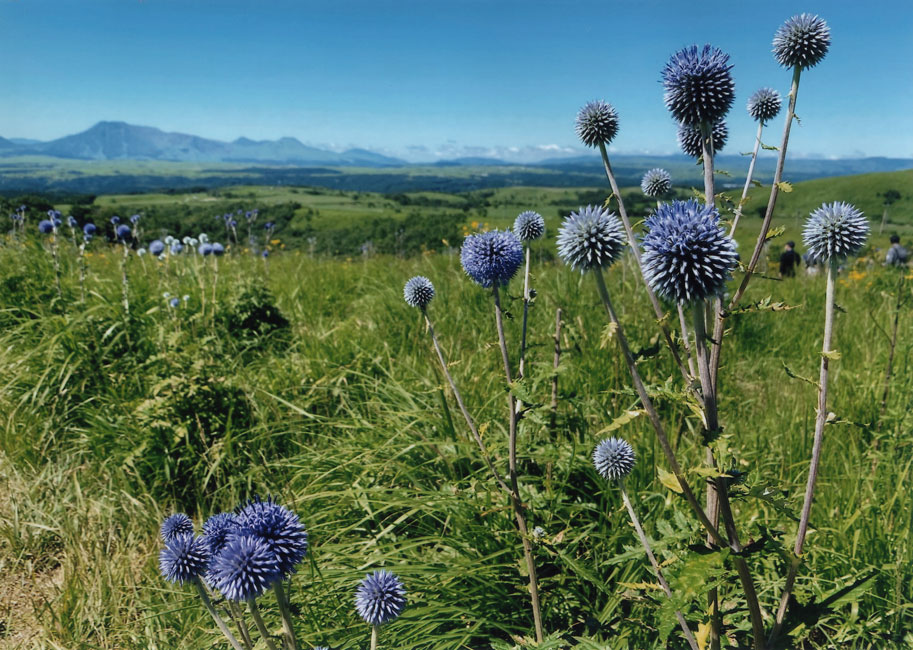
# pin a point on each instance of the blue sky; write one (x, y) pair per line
(433, 78)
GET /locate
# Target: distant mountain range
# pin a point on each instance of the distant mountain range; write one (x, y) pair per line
(122, 141)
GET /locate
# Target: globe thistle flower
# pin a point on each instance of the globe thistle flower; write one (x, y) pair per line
(492, 256)
(614, 459)
(218, 249)
(217, 530)
(71, 221)
(140, 251)
(205, 249)
(590, 238)
(264, 254)
(135, 218)
(156, 247)
(46, 226)
(802, 41)
(835, 231)
(278, 527)
(380, 598)
(174, 302)
(698, 84)
(764, 104)
(418, 292)
(89, 229)
(656, 183)
(687, 255)
(176, 524)
(690, 138)
(123, 233)
(183, 559)
(529, 226)
(204, 238)
(244, 568)
(597, 123)
(115, 220)
(176, 247)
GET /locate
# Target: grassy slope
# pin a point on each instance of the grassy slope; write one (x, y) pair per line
(345, 422)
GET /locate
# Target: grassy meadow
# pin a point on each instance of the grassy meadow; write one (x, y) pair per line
(307, 377)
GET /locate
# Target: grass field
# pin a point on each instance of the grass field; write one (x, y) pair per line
(108, 423)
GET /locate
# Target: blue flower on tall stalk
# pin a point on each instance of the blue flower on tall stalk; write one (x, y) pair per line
(597, 123)
(590, 238)
(89, 229)
(529, 226)
(205, 249)
(690, 138)
(135, 219)
(764, 105)
(698, 84)
(380, 598)
(46, 226)
(183, 559)
(614, 459)
(244, 568)
(491, 257)
(418, 292)
(156, 247)
(278, 527)
(835, 231)
(687, 255)
(115, 220)
(218, 249)
(123, 233)
(71, 221)
(656, 183)
(802, 41)
(176, 524)
(218, 528)
(176, 247)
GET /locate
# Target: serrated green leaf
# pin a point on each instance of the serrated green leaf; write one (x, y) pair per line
(669, 480)
(769, 147)
(783, 186)
(833, 355)
(756, 182)
(621, 420)
(775, 232)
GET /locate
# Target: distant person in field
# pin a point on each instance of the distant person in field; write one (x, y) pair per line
(897, 254)
(811, 264)
(789, 260)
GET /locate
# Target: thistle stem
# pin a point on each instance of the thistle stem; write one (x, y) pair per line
(238, 617)
(652, 414)
(512, 467)
(207, 603)
(754, 158)
(56, 264)
(261, 626)
(525, 316)
(557, 360)
(287, 629)
(635, 249)
(374, 635)
(659, 574)
(893, 339)
(820, 421)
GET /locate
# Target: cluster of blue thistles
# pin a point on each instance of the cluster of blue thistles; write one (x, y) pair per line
(529, 226)
(590, 238)
(687, 255)
(764, 105)
(656, 183)
(690, 138)
(614, 459)
(698, 84)
(240, 554)
(380, 598)
(492, 257)
(834, 231)
(802, 41)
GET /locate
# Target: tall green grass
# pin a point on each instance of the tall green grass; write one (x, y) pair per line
(107, 425)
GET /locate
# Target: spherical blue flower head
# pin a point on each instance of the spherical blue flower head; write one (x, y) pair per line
(418, 292)
(216, 531)
(135, 218)
(244, 568)
(184, 558)
(123, 233)
(174, 302)
(157, 247)
(176, 524)
(205, 249)
(71, 221)
(176, 247)
(764, 104)
(597, 123)
(614, 458)
(89, 229)
(218, 249)
(590, 238)
(264, 254)
(115, 220)
(268, 225)
(656, 183)
(232, 223)
(698, 84)
(46, 226)
(687, 255)
(492, 256)
(834, 231)
(380, 598)
(278, 527)
(529, 226)
(802, 41)
(689, 138)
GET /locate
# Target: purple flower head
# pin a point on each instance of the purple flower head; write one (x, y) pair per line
(71, 221)
(218, 249)
(418, 292)
(835, 231)
(764, 104)
(46, 226)
(217, 529)
(687, 255)
(597, 123)
(698, 84)
(123, 233)
(183, 559)
(689, 138)
(205, 249)
(614, 459)
(89, 229)
(156, 247)
(135, 218)
(802, 41)
(279, 528)
(244, 568)
(491, 257)
(115, 220)
(529, 226)
(176, 247)
(176, 524)
(590, 238)
(656, 183)
(380, 598)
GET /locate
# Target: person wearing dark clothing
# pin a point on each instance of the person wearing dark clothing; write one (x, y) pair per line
(897, 254)
(789, 260)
